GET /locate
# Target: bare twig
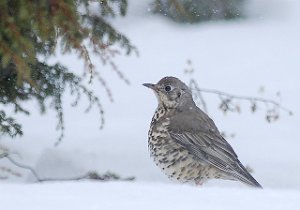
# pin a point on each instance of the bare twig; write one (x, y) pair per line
(92, 175)
(20, 165)
(247, 98)
(198, 94)
(228, 100)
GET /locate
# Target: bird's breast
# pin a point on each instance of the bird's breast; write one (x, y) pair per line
(172, 158)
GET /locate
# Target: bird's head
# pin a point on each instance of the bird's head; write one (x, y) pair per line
(171, 92)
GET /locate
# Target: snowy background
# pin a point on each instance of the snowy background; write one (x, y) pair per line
(234, 56)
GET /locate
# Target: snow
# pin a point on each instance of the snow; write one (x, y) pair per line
(236, 56)
(158, 196)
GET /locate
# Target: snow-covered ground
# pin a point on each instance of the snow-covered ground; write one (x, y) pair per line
(146, 196)
(237, 57)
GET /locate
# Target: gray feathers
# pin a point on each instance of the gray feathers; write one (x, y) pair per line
(197, 133)
(193, 136)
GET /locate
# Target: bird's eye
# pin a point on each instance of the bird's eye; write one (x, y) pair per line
(168, 88)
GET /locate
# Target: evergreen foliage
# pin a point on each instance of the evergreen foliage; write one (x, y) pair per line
(199, 10)
(33, 29)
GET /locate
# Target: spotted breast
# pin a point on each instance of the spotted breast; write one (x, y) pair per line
(174, 160)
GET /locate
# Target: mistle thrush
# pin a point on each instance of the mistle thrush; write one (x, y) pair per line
(185, 143)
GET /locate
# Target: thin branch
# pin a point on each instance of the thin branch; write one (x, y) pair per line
(20, 165)
(229, 101)
(247, 98)
(199, 94)
(92, 175)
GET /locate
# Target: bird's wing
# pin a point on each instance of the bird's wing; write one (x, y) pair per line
(200, 136)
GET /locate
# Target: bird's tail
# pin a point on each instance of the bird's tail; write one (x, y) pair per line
(244, 176)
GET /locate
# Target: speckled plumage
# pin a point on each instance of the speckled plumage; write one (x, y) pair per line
(185, 143)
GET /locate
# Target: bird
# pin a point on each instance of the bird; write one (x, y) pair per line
(184, 141)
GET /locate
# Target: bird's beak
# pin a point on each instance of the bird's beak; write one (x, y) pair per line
(151, 86)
